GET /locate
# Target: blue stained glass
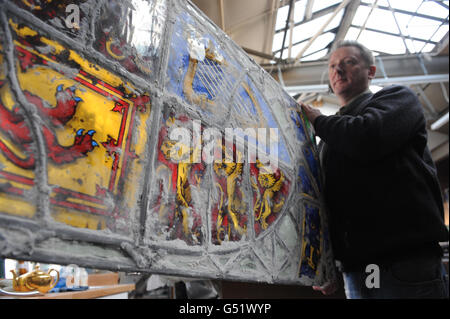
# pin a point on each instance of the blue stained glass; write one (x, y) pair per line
(313, 164)
(312, 242)
(305, 183)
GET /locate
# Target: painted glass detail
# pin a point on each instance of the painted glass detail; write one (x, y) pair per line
(136, 136)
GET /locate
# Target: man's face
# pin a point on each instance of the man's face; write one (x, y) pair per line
(348, 73)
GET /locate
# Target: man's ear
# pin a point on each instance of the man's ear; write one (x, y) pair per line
(372, 70)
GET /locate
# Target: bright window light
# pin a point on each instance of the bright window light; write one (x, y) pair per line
(422, 28)
(361, 15)
(375, 88)
(309, 29)
(382, 32)
(320, 43)
(409, 5)
(379, 3)
(282, 15)
(299, 11)
(428, 48)
(382, 20)
(316, 56)
(322, 4)
(352, 33)
(414, 46)
(434, 9)
(441, 32)
(278, 41)
(382, 42)
(297, 48)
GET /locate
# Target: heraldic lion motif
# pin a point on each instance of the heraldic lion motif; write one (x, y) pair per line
(14, 126)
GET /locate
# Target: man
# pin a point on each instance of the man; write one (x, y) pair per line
(381, 190)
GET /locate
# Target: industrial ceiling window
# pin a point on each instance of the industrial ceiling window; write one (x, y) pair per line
(408, 27)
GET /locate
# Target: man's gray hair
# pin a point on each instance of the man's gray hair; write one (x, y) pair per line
(365, 53)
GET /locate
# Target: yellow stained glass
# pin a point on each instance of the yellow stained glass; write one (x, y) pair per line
(93, 128)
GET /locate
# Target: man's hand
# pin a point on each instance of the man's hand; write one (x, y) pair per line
(327, 289)
(311, 112)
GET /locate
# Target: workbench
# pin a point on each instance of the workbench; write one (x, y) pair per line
(101, 286)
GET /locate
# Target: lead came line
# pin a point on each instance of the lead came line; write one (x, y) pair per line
(203, 79)
(208, 80)
(240, 102)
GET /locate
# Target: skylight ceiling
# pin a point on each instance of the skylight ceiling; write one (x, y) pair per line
(384, 26)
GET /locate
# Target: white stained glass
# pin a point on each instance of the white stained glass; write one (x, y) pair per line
(148, 19)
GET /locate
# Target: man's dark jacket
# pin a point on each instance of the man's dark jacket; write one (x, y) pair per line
(381, 188)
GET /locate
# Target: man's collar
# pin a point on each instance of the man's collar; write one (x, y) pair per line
(350, 105)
